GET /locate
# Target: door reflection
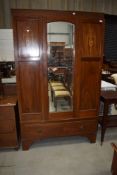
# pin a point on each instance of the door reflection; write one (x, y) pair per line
(60, 66)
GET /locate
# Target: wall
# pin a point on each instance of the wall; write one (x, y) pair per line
(6, 45)
(106, 6)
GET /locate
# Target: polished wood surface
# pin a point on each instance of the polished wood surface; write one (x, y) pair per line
(9, 122)
(33, 132)
(30, 86)
(29, 34)
(32, 79)
(114, 161)
(8, 100)
(106, 121)
(90, 73)
(109, 95)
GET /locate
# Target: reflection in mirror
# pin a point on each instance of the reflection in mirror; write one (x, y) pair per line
(60, 38)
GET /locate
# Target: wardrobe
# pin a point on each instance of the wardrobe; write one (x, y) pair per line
(55, 48)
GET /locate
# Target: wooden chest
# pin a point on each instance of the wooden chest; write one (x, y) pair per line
(8, 122)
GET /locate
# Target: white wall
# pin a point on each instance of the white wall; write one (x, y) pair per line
(6, 45)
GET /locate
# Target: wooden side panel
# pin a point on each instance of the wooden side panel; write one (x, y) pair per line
(30, 87)
(28, 38)
(90, 70)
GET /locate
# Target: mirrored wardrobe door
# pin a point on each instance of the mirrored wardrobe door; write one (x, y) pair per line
(60, 40)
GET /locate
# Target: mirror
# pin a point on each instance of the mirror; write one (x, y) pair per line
(60, 39)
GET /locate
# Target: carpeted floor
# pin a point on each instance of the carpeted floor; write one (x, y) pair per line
(61, 156)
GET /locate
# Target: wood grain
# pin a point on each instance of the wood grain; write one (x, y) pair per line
(36, 121)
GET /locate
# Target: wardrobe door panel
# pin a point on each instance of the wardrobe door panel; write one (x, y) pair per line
(30, 87)
(91, 54)
(91, 39)
(28, 38)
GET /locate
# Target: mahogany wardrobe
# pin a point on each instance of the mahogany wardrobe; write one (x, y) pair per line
(58, 57)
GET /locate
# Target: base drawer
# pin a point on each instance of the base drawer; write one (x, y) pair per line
(47, 130)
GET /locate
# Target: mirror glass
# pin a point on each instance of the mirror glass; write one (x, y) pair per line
(60, 39)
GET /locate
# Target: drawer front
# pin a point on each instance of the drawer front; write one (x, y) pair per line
(8, 140)
(7, 112)
(58, 129)
(7, 126)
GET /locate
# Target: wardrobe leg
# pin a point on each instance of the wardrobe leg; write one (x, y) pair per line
(92, 138)
(26, 144)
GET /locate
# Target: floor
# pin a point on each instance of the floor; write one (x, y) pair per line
(61, 156)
